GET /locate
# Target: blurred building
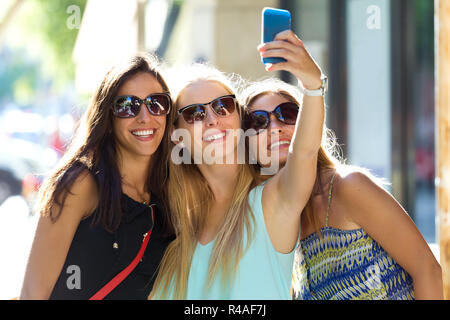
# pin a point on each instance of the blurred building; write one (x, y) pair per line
(379, 56)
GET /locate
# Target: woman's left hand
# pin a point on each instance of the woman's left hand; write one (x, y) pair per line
(298, 60)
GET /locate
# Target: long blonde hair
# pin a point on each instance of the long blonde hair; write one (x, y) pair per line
(190, 202)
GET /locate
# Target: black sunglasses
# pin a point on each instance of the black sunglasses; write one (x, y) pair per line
(158, 104)
(222, 106)
(260, 119)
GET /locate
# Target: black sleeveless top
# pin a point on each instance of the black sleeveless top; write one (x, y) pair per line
(96, 256)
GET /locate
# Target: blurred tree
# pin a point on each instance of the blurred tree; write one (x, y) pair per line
(19, 77)
(37, 38)
(53, 24)
(47, 30)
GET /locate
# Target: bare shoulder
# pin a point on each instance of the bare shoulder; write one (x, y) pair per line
(356, 183)
(83, 194)
(84, 184)
(360, 193)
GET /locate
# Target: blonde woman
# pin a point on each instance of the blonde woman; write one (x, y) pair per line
(357, 242)
(236, 239)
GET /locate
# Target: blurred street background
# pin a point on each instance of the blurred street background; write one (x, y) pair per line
(379, 57)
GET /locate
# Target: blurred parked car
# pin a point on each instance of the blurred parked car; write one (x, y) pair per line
(10, 185)
(30, 145)
(25, 157)
(23, 165)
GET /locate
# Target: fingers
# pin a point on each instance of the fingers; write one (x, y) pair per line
(290, 36)
(286, 40)
(278, 44)
(278, 53)
(296, 56)
(298, 60)
(276, 66)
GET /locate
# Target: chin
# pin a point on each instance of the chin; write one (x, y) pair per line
(148, 151)
(144, 154)
(282, 157)
(283, 160)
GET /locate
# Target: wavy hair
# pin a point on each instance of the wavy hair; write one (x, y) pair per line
(94, 148)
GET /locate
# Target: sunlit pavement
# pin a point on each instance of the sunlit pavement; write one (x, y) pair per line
(16, 235)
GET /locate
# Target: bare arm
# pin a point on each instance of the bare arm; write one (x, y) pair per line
(52, 240)
(382, 217)
(287, 193)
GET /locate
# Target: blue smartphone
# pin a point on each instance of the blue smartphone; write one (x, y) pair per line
(273, 22)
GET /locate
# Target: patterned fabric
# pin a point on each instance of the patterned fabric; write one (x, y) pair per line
(347, 264)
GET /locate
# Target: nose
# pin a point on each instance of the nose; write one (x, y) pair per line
(211, 119)
(275, 125)
(143, 115)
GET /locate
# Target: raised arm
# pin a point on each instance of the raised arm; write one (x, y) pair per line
(53, 239)
(286, 194)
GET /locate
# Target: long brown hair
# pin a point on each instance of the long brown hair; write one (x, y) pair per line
(190, 202)
(94, 148)
(329, 156)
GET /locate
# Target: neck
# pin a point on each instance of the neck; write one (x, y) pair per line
(134, 170)
(221, 179)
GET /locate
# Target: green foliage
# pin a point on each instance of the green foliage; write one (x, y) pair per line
(19, 77)
(36, 53)
(46, 21)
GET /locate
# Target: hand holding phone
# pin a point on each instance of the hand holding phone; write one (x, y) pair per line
(283, 50)
(273, 22)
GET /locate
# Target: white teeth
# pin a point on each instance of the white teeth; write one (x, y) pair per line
(278, 143)
(214, 137)
(143, 133)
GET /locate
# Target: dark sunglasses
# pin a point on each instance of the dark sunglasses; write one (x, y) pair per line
(158, 104)
(222, 106)
(260, 119)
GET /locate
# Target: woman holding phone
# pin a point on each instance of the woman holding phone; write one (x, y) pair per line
(108, 194)
(235, 237)
(357, 242)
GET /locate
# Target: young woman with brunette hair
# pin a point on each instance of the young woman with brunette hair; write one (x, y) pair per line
(108, 194)
(235, 238)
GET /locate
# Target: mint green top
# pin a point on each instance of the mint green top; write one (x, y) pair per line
(262, 273)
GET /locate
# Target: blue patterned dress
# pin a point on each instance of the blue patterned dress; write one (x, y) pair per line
(345, 265)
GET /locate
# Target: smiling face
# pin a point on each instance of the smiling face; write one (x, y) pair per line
(276, 138)
(214, 133)
(141, 135)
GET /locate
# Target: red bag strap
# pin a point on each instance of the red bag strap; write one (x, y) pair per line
(107, 288)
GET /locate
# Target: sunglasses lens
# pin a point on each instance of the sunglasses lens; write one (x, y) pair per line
(287, 112)
(224, 106)
(257, 120)
(126, 107)
(158, 104)
(194, 113)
